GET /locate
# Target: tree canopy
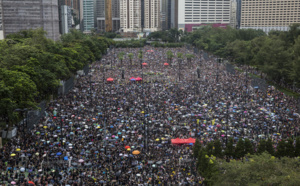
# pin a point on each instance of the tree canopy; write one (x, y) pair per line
(276, 54)
(31, 65)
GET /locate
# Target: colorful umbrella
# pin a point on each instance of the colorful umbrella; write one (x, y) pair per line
(110, 79)
(136, 152)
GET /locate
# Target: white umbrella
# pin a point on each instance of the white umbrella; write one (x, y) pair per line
(81, 160)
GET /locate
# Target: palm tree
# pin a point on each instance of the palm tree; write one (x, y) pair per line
(140, 56)
(121, 57)
(170, 56)
(130, 55)
(189, 57)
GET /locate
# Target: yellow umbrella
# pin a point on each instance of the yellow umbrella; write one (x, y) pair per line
(12, 155)
(98, 127)
(45, 127)
(142, 112)
(37, 154)
(18, 150)
(136, 152)
(128, 149)
(157, 139)
(162, 138)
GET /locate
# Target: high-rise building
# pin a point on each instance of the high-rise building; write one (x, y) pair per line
(238, 12)
(164, 14)
(269, 14)
(66, 19)
(233, 16)
(195, 13)
(130, 15)
(108, 15)
(88, 16)
(152, 19)
(1, 23)
(30, 14)
(173, 14)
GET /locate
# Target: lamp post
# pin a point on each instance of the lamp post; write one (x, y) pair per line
(179, 61)
(227, 121)
(25, 118)
(90, 76)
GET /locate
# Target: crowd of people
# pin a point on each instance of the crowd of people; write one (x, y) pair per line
(118, 131)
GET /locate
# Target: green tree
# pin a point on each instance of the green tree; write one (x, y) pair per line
(261, 146)
(261, 169)
(280, 149)
(229, 150)
(196, 148)
(269, 147)
(209, 148)
(248, 147)
(240, 149)
(170, 56)
(121, 57)
(217, 149)
(297, 147)
(130, 55)
(289, 148)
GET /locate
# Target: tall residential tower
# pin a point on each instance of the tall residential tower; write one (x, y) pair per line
(269, 14)
(130, 15)
(195, 13)
(152, 19)
(30, 14)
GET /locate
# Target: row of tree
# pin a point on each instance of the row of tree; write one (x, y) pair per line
(167, 45)
(131, 43)
(237, 150)
(31, 66)
(276, 54)
(171, 36)
(210, 159)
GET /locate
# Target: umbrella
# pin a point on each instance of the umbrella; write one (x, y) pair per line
(18, 150)
(58, 154)
(66, 158)
(127, 147)
(81, 160)
(12, 155)
(159, 162)
(22, 169)
(144, 64)
(30, 182)
(138, 79)
(136, 152)
(132, 79)
(110, 79)
(166, 64)
(13, 182)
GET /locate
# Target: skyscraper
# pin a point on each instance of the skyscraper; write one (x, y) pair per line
(164, 14)
(130, 15)
(269, 15)
(1, 23)
(194, 13)
(233, 14)
(169, 14)
(66, 19)
(108, 15)
(30, 14)
(88, 16)
(238, 12)
(152, 19)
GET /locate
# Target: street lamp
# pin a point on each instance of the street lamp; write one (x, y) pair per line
(25, 118)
